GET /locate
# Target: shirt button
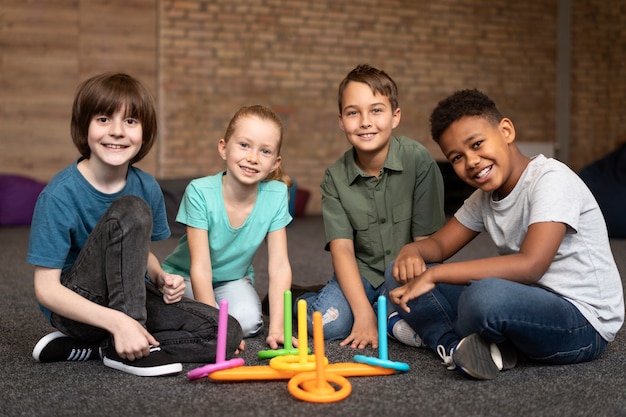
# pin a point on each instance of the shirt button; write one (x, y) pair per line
(388, 252)
(383, 221)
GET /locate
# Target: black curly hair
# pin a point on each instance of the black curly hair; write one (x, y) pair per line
(460, 104)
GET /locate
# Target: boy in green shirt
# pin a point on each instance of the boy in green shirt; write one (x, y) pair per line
(385, 192)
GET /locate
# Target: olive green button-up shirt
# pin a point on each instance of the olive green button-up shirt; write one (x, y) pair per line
(383, 214)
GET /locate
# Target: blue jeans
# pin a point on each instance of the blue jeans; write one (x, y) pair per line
(243, 303)
(337, 317)
(540, 324)
(111, 271)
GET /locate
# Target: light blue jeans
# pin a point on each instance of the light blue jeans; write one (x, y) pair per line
(540, 324)
(243, 303)
(337, 317)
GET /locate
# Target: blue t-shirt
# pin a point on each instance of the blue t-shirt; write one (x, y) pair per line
(69, 208)
(231, 249)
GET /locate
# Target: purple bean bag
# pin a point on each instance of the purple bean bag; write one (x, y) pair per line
(18, 195)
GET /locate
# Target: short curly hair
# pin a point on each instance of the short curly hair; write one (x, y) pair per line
(460, 104)
(379, 81)
(105, 94)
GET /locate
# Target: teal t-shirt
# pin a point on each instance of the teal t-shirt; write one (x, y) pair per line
(69, 208)
(231, 249)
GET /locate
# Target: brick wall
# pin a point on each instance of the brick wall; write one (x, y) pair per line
(598, 81)
(46, 49)
(205, 59)
(292, 54)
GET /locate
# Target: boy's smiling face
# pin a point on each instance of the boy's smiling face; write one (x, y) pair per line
(114, 140)
(367, 118)
(480, 154)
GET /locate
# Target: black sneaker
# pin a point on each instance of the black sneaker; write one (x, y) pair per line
(157, 363)
(475, 357)
(57, 347)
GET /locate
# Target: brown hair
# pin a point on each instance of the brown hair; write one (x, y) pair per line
(107, 94)
(262, 113)
(376, 79)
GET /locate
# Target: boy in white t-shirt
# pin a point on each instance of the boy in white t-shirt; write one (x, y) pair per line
(554, 294)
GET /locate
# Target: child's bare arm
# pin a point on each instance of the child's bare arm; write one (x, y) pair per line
(279, 271)
(365, 328)
(413, 257)
(526, 266)
(171, 286)
(201, 269)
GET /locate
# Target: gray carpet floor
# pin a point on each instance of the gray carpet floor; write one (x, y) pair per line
(28, 388)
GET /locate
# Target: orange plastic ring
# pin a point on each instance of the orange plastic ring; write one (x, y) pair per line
(303, 386)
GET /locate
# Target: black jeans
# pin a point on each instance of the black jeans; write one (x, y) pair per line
(111, 271)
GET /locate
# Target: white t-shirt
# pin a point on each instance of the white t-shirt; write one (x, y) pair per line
(583, 270)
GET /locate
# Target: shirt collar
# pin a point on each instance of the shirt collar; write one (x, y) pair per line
(393, 162)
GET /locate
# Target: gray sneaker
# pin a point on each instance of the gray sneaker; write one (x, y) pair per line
(475, 357)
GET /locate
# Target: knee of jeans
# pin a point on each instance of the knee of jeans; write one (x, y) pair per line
(335, 324)
(133, 208)
(251, 321)
(130, 203)
(480, 301)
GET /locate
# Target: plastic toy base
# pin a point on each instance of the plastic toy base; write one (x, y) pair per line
(385, 363)
(205, 370)
(305, 386)
(269, 353)
(265, 373)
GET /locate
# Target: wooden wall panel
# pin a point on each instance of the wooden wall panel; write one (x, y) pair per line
(46, 49)
(38, 72)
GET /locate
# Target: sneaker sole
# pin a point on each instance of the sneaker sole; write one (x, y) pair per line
(43, 342)
(472, 356)
(509, 355)
(162, 370)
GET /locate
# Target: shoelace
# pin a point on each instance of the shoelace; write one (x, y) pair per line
(154, 349)
(79, 354)
(447, 359)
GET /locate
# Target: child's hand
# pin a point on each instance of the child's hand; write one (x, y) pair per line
(132, 341)
(408, 265)
(364, 333)
(402, 295)
(274, 338)
(242, 346)
(171, 286)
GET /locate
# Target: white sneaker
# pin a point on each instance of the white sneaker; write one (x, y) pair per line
(400, 330)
